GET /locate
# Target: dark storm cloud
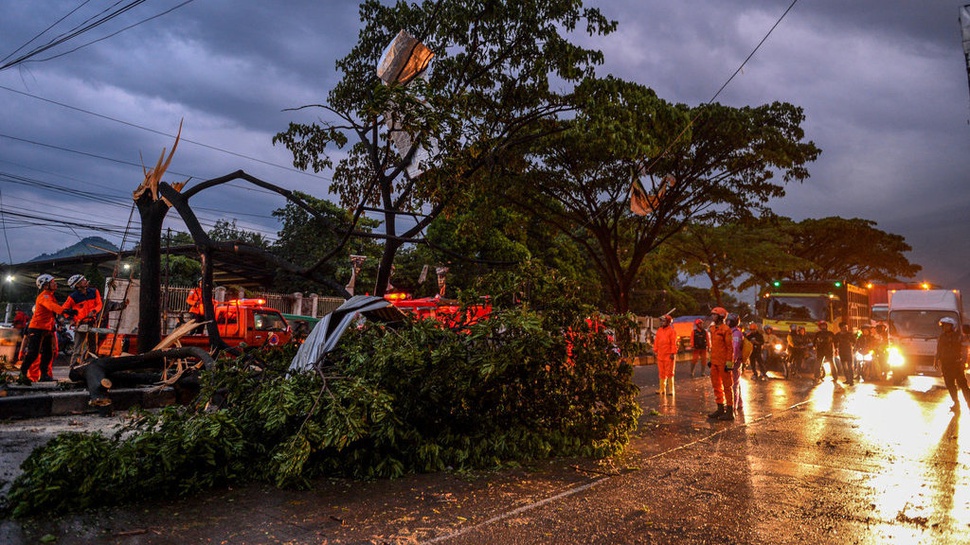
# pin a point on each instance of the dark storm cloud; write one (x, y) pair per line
(883, 86)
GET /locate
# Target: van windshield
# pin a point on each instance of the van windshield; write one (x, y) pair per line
(918, 323)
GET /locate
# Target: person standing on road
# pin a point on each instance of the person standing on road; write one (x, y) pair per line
(700, 340)
(739, 354)
(824, 342)
(757, 353)
(950, 357)
(85, 298)
(844, 341)
(665, 350)
(40, 331)
(722, 363)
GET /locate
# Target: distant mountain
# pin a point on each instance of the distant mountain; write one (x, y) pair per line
(89, 245)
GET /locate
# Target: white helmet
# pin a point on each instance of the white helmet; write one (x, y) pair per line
(948, 320)
(43, 280)
(72, 281)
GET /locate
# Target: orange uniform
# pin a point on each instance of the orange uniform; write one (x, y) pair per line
(86, 302)
(665, 346)
(46, 309)
(722, 358)
(194, 301)
(41, 341)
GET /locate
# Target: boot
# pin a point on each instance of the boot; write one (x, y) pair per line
(661, 389)
(670, 386)
(46, 378)
(727, 415)
(692, 366)
(717, 414)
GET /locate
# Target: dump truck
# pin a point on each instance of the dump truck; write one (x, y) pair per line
(805, 303)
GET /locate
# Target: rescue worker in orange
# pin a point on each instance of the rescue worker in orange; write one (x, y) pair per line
(40, 332)
(665, 350)
(722, 366)
(194, 300)
(85, 299)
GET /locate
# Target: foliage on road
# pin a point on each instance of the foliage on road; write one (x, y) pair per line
(534, 381)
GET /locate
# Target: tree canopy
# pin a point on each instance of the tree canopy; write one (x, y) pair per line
(705, 162)
(488, 92)
(854, 250)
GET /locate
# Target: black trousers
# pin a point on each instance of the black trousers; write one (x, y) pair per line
(40, 342)
(954, 377)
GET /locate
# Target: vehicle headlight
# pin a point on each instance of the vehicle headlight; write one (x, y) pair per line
(896, 358)
(778, 347)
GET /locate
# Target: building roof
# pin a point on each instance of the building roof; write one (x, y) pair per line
(229, 269)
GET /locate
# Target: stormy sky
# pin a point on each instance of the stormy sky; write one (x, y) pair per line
(883, 85)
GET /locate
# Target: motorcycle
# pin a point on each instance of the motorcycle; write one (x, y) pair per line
(871, 366)
(776, 359)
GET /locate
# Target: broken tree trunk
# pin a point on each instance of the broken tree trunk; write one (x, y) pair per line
(98, 373)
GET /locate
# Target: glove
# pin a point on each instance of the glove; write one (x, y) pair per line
(708, 364)
(70, 313)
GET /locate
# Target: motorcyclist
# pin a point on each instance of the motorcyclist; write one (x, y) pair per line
(865, 345)
(771, 341)
(759, 370)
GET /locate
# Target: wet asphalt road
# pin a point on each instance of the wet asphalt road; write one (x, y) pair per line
(826, 463)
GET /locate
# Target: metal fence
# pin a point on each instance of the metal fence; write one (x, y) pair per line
(173, 299)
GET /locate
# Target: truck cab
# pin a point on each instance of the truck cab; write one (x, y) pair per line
(914, 326)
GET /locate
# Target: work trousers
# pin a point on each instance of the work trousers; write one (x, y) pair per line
(40, 342)
(722, 380)
(821, 358)
(665, 366)
(955, 377)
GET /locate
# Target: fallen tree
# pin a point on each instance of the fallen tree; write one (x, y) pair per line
(533, 381)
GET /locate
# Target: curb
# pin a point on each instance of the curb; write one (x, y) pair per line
(63, 403)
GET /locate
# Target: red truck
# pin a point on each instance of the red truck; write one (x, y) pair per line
(446, 311)
(239, 321)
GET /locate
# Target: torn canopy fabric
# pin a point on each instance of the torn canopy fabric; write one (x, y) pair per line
(327, 332)
(642, 204)
(403, 60)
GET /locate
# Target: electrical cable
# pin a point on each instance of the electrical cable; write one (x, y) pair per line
(86, 26)
(162, 133)
(41, 33)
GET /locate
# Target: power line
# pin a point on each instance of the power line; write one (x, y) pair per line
(162, 133)
(41, 33)
(92, 42)
(86, 26)
(85, 153)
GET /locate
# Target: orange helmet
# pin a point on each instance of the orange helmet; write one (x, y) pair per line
(719, 311)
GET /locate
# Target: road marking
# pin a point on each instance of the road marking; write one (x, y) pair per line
(600, 480)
